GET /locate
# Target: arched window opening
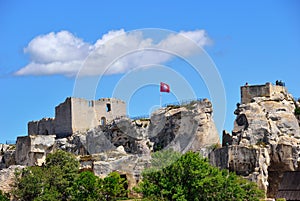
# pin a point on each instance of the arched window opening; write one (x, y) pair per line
(103, 121)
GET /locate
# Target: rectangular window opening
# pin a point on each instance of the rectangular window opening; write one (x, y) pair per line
(108, 107)
(91, 103)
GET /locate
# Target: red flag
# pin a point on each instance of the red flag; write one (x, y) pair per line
(164, 87)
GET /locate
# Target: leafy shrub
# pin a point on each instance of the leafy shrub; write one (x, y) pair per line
(3, 196)
(59, 179)
(49, 182)
(192, 178)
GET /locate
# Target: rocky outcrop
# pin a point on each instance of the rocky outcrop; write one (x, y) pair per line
(266, 120)
(249, 162)
(268, 129)
(181, 128)
(32, 150)
(75, 144)
(128, 166)
(263, 146)
(123, 144)
(7, 177)
(132, 135)
(190, 127)
(7, 155)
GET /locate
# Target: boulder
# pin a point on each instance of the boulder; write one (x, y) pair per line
(249, 162)
(7, 155)
(129, 166)
(32, 150)
(189, 127)
(7, 177)
(266, 119)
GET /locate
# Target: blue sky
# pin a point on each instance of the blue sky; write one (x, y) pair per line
(249, 41)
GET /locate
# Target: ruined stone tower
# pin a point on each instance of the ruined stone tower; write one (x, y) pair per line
(267, 90)
(78, 115)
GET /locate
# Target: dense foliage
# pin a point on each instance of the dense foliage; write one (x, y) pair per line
(181, 178)
(162, 159)
(59, 179)
(192, 178)
(3, 197)
(90, 187)
(50, 182)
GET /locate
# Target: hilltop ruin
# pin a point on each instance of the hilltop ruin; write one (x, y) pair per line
(78, 115)
(263, 147)
(265, 142)
(106, 140)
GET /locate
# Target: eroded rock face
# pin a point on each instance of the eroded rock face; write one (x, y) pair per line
(270, 122)
(32, 150)
(132, 135)
(75, 144)
(263, 122)
(267, 120)
(123, 144)
(7, 155)
(190, 127)
(7, 176)
(249, 162)
(128, 166)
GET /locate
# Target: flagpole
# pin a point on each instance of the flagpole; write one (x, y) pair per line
(160, 99)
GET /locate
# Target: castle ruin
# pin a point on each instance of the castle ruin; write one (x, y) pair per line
(267, 90)
(78, 115)
(264, 146)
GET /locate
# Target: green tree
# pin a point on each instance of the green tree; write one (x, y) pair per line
(191, 177)
(164, 158)
(87, 187)
(3, 196)
(29, 183)
(59, 179)
(113, 186)
(62, 168)
(50, 182)
(90, 187)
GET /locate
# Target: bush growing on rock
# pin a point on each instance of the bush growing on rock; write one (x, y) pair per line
(49, 182)
(191, 177)
(90, 187)
(59, 179)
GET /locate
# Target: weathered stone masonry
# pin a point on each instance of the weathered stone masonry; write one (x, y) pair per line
(267, 90)
(78, 115)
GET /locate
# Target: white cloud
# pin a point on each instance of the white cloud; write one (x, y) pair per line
(64, 53)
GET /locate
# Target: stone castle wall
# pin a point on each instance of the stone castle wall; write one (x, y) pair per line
(77, 114)
(89, 114)
(117, 109)
(44, 126)
(266, 90)
(63, 118)
(83, 115)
